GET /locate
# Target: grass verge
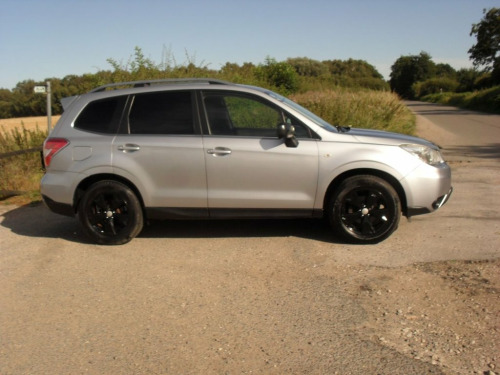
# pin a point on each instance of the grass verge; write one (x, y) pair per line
(360, 108)
(20, 173)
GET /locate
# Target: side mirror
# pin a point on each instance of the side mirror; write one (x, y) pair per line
(287, 132)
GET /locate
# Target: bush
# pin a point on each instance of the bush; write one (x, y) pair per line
(279, 75)
(485, 100)
(434, 85)
(20, 172)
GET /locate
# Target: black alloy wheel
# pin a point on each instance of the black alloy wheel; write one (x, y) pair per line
(364, 209)
(110, 213)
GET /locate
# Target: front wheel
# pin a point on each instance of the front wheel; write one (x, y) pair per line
(110, 213)
(364, 209)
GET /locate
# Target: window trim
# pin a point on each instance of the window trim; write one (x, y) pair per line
(125, 121)
(206, 125)
(116, 119)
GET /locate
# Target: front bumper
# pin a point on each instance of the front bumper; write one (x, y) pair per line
(427, 189)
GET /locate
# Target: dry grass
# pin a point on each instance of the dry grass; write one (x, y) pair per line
(20, 174)
(360, 108)
(29, 123)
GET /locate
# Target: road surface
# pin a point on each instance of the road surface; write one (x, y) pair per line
(273, 297)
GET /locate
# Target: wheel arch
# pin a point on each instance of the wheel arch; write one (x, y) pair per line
(367, 171)
(90, 180)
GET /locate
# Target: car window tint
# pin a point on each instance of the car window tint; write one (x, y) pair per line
(230, 114)
(101, 116)
(162, 113)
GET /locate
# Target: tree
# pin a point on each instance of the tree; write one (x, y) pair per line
(407, 70)
(486, 52)
(445, 70)
(280, 75)
(308, 67)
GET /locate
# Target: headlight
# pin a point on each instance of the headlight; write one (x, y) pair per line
(427, 154)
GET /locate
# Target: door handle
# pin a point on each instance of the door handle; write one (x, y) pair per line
(129, 147)
(219, 151)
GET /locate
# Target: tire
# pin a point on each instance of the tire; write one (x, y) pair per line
(364, 209)
(110, 213)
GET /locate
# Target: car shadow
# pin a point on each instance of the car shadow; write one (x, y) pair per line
(35, 220)
(490, 151)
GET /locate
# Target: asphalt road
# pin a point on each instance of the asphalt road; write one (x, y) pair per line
(462, 133)
(231, 297)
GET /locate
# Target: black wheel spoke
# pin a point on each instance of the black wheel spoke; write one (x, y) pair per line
(351, 219)
(110, 226)
(365, 209)
(100, 203)
(355, 200)
(367, 226)
(108, 213)
(372, 200)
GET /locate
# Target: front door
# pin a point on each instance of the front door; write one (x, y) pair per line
(249, 170)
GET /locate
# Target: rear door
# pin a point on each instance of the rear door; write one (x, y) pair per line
(162, 151)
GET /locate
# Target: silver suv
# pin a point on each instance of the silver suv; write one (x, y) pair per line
(126, 153)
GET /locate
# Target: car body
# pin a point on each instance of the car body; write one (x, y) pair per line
(129, 152)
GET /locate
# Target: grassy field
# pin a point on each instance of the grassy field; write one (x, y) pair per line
(29, 123)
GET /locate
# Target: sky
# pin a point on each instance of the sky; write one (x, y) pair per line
(40, 39)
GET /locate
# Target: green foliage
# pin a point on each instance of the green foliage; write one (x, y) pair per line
(486, 52)
(306, 67)
(407, 70)
(445, 70)
(280, 76)
(467, 79)
(293, 75)
(434, 85)
(244, 74)
(356, 74)
(487, 100)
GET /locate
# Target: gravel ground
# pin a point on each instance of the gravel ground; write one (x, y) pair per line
(266, 297)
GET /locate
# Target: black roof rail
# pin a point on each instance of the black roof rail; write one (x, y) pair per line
(121, 85)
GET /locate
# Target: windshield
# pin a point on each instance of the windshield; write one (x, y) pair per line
(316, 119)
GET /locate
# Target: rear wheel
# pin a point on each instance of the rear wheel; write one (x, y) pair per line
(364, 209)
(110, 213)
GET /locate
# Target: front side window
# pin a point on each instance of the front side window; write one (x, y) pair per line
(162, 113)
(230, 114)
(233, 114)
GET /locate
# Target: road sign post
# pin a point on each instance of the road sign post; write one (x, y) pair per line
(46, 90)
(49, 108)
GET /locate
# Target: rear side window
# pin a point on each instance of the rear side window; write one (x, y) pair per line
(101, 116)
(162, 113)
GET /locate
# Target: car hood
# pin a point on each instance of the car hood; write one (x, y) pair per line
(385, 138)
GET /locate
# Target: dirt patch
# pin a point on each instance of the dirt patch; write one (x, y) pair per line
(443, 313)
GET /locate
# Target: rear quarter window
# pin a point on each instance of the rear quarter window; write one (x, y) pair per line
(101, 116)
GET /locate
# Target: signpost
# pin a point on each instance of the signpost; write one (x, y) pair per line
(40, 89)
(46, 90)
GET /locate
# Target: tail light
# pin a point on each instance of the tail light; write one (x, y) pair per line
(51, 147)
